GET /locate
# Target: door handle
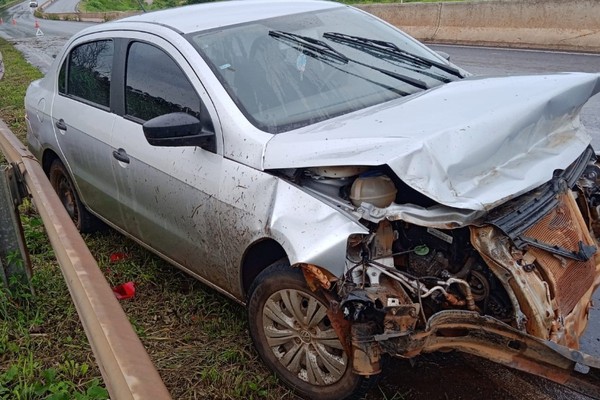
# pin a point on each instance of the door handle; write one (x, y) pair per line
(60, 124)
(121, 155)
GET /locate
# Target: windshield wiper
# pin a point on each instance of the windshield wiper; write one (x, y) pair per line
(305, 43)
(390, 49)
(302, 43)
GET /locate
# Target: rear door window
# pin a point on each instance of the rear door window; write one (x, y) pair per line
(86, 73)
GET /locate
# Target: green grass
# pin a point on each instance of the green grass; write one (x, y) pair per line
(4, 4)
(126, 5)
(35, 362)
(108, 5)
(18, 73)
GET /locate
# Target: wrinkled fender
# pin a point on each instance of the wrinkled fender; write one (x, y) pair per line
(310, 230)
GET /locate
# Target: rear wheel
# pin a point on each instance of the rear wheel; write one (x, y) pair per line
(295, 338)
(64, 188)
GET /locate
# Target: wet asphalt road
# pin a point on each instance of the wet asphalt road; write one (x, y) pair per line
(38, 43)
(441, 376)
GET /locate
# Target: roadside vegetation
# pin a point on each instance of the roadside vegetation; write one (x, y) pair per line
(7, 3)
(131, 5)
(126, 5)
(395, 1)
(197, 339)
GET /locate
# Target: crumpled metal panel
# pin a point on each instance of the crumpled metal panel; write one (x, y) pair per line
(528, 292)
(470, 144)
(438, 216)
(309, 230)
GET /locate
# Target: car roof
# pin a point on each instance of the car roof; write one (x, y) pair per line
(211, 15)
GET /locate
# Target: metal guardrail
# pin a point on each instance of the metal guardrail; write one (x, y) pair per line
(126, 368)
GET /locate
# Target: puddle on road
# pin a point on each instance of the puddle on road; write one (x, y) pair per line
(40, 51)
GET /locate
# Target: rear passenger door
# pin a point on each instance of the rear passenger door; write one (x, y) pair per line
(83, 121)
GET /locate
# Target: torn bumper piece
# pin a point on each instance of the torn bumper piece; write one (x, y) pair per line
(489, 338)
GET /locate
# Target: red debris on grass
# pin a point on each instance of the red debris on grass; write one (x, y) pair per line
(116, 257)
(124, 291)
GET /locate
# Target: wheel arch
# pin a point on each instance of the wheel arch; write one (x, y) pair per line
(296, 224)
(48, 158)
(257, 257)
(84, 220)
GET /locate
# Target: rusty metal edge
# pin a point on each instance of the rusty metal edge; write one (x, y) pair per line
(124, 363)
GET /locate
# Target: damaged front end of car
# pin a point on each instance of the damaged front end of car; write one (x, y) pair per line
(514, 286)
(473, 231)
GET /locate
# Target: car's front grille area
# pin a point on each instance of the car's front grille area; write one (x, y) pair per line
(563, 228)
(547, 223)
(520, 214)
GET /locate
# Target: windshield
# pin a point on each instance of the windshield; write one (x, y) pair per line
(288, 72)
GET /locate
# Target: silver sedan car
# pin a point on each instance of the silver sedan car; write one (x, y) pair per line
(359, 193)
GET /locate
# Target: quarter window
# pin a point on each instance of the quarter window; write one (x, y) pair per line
(86, 74)
(155, 85)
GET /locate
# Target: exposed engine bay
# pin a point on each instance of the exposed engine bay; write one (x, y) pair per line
(526, 264)
(402, 273)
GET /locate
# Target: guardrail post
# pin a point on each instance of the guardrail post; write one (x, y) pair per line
(14, 258)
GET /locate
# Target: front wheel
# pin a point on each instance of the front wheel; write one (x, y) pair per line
(295, 338)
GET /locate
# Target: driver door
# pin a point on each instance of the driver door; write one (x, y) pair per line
(167, 193)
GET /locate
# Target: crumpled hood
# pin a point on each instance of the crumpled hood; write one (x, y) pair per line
(470, 144)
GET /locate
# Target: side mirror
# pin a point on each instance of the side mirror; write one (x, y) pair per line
(178, 129)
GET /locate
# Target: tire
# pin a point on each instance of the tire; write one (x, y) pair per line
(279, 299)
(64, 188)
